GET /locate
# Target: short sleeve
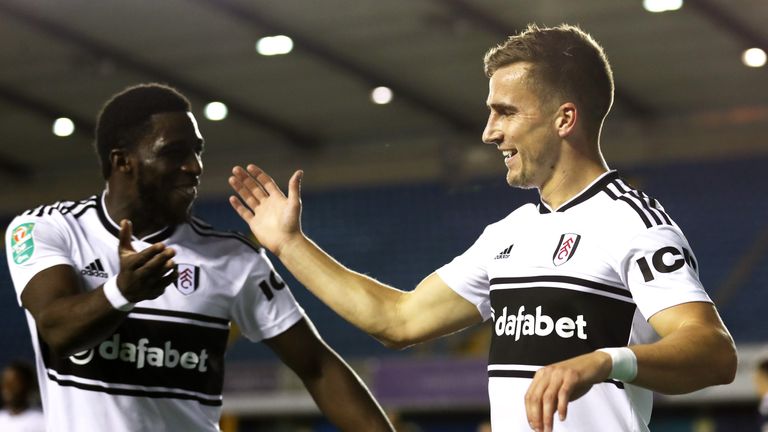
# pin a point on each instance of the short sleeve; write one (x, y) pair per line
(661, 271)
(467, 274)
(34, 244)
(265, 307)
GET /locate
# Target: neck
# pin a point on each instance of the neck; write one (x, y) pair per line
(573, 172)
(129, 206)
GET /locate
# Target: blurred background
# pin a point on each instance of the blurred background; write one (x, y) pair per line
(382, 104)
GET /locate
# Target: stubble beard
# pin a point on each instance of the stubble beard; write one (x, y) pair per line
(161, 207)
(520, 179)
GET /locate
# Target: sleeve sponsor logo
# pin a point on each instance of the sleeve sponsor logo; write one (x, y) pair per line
(665, 260)
(23, 242)
(274, 284)
(566, 248)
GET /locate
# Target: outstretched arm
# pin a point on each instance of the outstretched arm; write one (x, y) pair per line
(695, 351)
(337, 390)
(397, 318)
(70, 320)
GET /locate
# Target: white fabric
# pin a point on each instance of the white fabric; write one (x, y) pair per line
(162, 369)
(559, 284)
(31, 420)
(623, 363)
(115, 296)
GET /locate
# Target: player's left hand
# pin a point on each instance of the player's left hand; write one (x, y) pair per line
(554, 386)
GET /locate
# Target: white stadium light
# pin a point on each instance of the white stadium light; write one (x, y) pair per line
(274, 45)
(381, 95)
(657, 6)
(63, 127)
(754, 57)
(216, 111)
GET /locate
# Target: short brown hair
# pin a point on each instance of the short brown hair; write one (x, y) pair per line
(565, 62)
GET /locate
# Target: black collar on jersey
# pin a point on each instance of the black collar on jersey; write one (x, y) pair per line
(584, 195)
(114, 228)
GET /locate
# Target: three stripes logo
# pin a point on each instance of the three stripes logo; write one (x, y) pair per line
(505, 253)
(189, 278)
(94, 269)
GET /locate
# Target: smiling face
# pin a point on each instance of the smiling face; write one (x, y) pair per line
(168, 166)
(521, 124)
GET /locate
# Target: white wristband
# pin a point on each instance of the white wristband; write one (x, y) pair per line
(115, 297)
(624, 363)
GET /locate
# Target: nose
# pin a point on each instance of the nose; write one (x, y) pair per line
(193, 165)
(492, 133)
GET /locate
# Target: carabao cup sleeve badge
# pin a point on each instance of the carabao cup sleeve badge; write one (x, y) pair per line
(22, 242)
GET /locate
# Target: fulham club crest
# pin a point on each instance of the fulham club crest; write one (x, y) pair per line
(565, 248)
(189, 278)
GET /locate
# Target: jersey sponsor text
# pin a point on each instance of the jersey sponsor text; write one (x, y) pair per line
(141, 354)
(538, 324)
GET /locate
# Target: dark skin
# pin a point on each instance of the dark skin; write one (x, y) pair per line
(151, 186)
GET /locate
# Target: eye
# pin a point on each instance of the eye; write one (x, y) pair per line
(505, 112)
(173, 152)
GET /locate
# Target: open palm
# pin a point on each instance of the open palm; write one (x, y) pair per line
(273, 218)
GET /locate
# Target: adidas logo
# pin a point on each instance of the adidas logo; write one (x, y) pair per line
(505, 253)
(94, 269)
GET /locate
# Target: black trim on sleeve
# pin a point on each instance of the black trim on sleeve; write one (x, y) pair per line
(647, 208)
(80, 212)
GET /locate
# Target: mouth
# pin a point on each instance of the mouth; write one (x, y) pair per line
(189, 190)
(509, 154)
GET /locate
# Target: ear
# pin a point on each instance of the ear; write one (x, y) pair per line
(120, 161)
(565, 121)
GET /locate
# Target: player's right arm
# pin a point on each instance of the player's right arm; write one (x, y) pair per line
(397, 318)
(70, 319)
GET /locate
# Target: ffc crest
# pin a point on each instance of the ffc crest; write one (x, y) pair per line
(565, 248)
(189, 278)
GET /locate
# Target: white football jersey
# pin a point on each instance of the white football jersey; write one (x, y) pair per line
(163, 368)
(30, 420)
(565, 283)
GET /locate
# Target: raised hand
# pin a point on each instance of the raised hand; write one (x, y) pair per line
(554, 386)
(143, 275)
(273, 218)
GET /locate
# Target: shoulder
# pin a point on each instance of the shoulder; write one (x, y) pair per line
(631, 210)
(74, 208)
(51, 218)
(505, 229)
(514, 219)
(227, 240)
